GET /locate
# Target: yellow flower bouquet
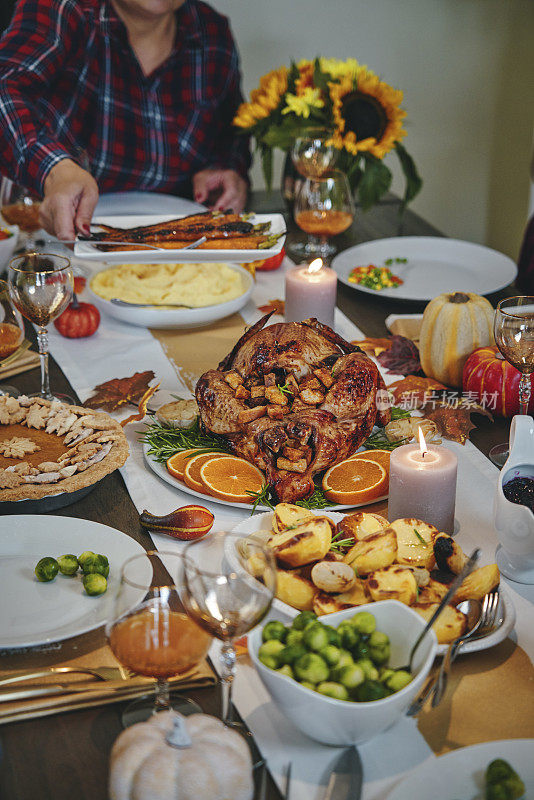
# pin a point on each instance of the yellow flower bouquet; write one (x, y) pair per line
(362, 112)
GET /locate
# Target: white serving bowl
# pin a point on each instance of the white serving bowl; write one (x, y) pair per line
(340, 722)
(7, 246)
(176, 317)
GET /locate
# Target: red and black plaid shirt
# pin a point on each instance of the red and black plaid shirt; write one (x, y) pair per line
(69, 78)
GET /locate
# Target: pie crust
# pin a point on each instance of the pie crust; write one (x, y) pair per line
(76, 447)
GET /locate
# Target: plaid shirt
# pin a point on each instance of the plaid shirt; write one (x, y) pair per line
(69, 79)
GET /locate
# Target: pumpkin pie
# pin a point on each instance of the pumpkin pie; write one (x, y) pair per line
(49, 447)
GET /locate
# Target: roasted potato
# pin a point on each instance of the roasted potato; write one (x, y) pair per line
(450, 624)
(432, 592)
(286, 516)
(324, 603)
(333, 576)
(393, 583)
(478, 583)
(304, 543)
(415, 542)
(295, 589)
(448, 554)
(360, 525)
(375, 552)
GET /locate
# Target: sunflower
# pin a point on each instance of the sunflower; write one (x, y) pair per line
(367, 114)
(339, 69)
(302, 104)
(263, 100)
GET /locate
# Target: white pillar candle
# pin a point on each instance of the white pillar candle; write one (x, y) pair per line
(311, 292)
(422, 484)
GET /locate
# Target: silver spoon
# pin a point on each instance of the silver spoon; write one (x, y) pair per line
(473, 610)
(125, 304)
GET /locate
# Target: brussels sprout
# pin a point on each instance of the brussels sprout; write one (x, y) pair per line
(362, 650)
(286, 670)
(498, 770)
(315, 637)
(291, 653)
(503, 782)
(333, 636)
(378, 639)
(369, 669)
(303, 619)
(312, 668)
(345, 659)
(68, 564)
(351, 676)
(95, 563)
(380, 655)
(46, 569)
(398, 680)
(274, 630)
(331, 689)
(331, 654)
(294, 637)
(308, 685)
(87, 554)
(94, 583)
(371, 690)
(385, 673)
(271, 650)
(364, 622)
(349, 638)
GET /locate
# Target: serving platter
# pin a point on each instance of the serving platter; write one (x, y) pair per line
(434, 265)
(146, 256)
(505, 617)
(161, 471)
(460, 773)
(34, 613)
(177, 317)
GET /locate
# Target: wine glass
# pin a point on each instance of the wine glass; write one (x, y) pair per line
(313, 153)
(150, 634)
(41, 286)
(229, 585)
(514, 336)
(20, 207)
(324, 207)
(11, 335)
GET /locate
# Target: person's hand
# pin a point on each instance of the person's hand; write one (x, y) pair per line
(226, 185)
(70, 197)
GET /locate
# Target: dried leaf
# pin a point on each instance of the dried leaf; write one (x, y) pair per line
(274, 306)
(413, 391)
(118, 392)
(373, 346)
(402, 358)
(454, 419)
(142, 406)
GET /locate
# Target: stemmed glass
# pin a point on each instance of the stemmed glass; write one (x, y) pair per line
(12, 340)
(20, 207)
(514, 336)
(229, 585)
(324, 207)
(150, 634)
(313, 153)
(41, 286)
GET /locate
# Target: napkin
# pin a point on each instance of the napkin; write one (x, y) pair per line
(26, 361)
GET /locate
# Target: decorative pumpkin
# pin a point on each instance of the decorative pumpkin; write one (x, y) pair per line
(453, 326)
(493, 382)
(171, 757)
(78, 320)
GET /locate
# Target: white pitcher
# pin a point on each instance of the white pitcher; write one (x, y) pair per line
(515, 523)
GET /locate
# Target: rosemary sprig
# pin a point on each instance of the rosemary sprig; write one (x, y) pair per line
(164, 442)
(379, 441)
(315, 500)
(264, 497)
(338, 545)
(285, 389)
(424, 543)
(399, 413)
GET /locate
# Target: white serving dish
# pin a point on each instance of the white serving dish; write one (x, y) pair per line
(340, 722)
(176, 317)
(146, 256)
(7, 246)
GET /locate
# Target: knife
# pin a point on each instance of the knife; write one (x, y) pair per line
(346, 777)
(56, 688)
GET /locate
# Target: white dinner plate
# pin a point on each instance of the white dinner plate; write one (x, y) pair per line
(459, 775)
(505, 617)
(162, 472)
(177, 317)
(146, 256)
(34, 613)
(434, 265)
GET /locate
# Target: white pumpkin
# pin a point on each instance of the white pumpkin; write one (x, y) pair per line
(214, 765)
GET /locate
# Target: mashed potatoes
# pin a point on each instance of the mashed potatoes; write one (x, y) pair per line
(193, 285)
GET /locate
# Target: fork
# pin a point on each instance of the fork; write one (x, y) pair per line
(102, 673)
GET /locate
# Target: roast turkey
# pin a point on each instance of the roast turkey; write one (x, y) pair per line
(292, 398)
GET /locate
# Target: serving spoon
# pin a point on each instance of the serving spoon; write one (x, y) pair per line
(125, 304)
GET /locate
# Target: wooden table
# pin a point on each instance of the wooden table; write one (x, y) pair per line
(66, 756)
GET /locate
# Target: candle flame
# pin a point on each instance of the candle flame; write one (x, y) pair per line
(315, 265)
(422, 443)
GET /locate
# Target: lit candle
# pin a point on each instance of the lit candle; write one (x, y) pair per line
(422, 484)
(311, 292)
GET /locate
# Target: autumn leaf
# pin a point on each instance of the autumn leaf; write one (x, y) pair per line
(414, 391)
(373, 346)
(274, 306)
(453, 421)
(143, 402)
(118, 392)
(402, 358)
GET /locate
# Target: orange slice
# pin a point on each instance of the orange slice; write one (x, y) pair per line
(355, 481)
(229, 478)
(381, 457)
(176, 463)
(192, 471)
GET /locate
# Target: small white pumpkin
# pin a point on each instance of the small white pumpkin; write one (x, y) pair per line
(214, 764)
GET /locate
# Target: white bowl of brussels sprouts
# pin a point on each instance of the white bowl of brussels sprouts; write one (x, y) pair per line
(338, 679)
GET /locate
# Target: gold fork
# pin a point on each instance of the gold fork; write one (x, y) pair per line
(102, 673)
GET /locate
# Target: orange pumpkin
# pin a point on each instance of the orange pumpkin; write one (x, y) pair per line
(78, 320)
(493, 382)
